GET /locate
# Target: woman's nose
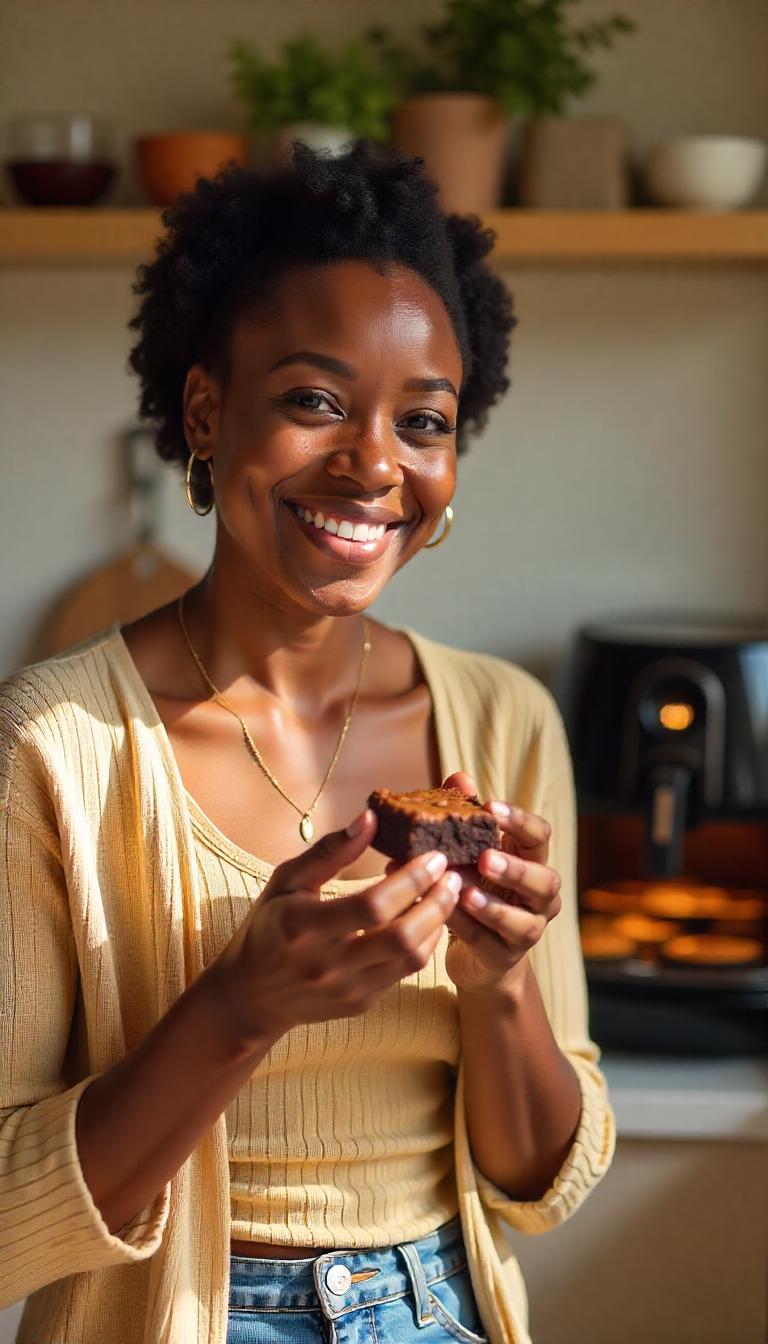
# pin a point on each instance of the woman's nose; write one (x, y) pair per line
(371, 460)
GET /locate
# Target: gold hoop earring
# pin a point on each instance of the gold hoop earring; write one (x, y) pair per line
(432, 545)
(201, 513)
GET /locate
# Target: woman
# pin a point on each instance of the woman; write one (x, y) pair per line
(254, 1087)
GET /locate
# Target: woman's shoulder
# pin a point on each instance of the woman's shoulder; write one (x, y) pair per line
(487, 675)
(48, 695)
(497, 715)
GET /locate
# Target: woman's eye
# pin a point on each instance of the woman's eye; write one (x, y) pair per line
(309, 400)
(430, 423)
(427, 423)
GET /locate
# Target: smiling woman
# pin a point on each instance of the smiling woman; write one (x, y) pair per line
(361, 444)
(313, 1091)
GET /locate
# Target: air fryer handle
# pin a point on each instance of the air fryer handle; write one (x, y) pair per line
(665, 822)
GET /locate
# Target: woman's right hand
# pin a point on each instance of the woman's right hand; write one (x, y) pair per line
(296, 958)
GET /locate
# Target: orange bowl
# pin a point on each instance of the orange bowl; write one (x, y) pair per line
(171, 163)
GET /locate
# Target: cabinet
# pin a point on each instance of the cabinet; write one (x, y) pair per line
(672, 1246)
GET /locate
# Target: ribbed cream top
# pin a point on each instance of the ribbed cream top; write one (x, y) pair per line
(103, 924)
(344, 1134)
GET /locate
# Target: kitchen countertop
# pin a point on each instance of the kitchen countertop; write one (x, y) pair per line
(666, 1097)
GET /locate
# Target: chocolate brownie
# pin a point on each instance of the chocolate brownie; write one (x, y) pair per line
(444, 819)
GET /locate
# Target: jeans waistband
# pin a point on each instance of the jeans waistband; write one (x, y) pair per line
(340, 1282)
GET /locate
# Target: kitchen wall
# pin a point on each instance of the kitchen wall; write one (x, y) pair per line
(628, 466)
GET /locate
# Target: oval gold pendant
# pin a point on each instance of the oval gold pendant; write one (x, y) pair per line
(306, 829)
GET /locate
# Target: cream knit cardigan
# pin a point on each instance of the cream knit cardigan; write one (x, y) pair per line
(100, 926)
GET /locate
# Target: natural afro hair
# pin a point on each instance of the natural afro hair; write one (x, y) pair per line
(228, 243)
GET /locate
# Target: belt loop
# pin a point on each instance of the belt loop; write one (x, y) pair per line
(418, 1282)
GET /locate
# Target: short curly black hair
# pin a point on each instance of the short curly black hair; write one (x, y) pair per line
(228, 243)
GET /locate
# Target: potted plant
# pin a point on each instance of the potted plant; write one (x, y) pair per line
(487, 61)
(308, 93)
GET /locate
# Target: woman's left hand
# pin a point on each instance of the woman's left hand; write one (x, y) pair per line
(521, 895)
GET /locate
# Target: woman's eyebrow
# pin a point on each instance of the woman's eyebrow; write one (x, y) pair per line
(344, 370)
(326, 362)
(430, 385)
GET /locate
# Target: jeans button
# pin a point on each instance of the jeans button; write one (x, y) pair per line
(337, 1280)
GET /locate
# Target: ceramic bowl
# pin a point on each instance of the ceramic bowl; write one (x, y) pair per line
(706, 172)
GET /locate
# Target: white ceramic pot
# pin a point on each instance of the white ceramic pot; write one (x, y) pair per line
(335, 139)
(706, 172)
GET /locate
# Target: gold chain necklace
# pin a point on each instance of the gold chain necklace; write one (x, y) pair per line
(306, 828)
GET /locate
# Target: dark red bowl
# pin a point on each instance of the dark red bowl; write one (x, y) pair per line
(61, 181)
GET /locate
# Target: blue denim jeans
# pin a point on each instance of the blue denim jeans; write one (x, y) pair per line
(417, 1291)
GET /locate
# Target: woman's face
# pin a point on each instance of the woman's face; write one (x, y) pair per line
(333, 444)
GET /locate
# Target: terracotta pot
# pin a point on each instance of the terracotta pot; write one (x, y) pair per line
(335, 139)
(171, 163)
(462, 139)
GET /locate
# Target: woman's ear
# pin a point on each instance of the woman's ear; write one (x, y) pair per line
(201, 403)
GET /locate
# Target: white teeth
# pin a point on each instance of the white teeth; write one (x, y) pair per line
(360, 532)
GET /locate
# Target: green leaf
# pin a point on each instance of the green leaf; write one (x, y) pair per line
(526, 53)
(353, 87)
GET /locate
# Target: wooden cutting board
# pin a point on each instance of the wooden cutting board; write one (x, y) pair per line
(126, 588)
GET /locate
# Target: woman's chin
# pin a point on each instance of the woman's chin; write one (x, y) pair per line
(333, 586)
(342, 597)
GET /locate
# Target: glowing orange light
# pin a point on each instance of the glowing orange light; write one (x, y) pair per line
(676, 717)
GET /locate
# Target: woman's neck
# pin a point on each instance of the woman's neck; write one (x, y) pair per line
(307, 662)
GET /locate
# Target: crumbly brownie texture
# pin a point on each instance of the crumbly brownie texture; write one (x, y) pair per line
(444, 819)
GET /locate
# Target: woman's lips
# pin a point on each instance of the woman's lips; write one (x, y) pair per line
(343, 548)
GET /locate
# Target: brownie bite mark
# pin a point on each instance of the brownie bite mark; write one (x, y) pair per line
(444, 819)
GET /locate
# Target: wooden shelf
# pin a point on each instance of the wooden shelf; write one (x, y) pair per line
(74, 236)
(550, 237)
(642, 235)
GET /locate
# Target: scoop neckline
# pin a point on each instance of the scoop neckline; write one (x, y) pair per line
(198, 817)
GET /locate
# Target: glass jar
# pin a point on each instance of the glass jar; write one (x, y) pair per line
(60, 159)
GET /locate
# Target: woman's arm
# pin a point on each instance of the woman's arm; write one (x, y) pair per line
(78, 1163)
(523, 1099)
(532, 1104)
(137, 1123)
(50, 1226)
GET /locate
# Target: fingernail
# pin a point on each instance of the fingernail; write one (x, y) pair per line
(476, 899)
(449, 889)
(495, 863)
(501, 810)
(356, 826)
(436, 863)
